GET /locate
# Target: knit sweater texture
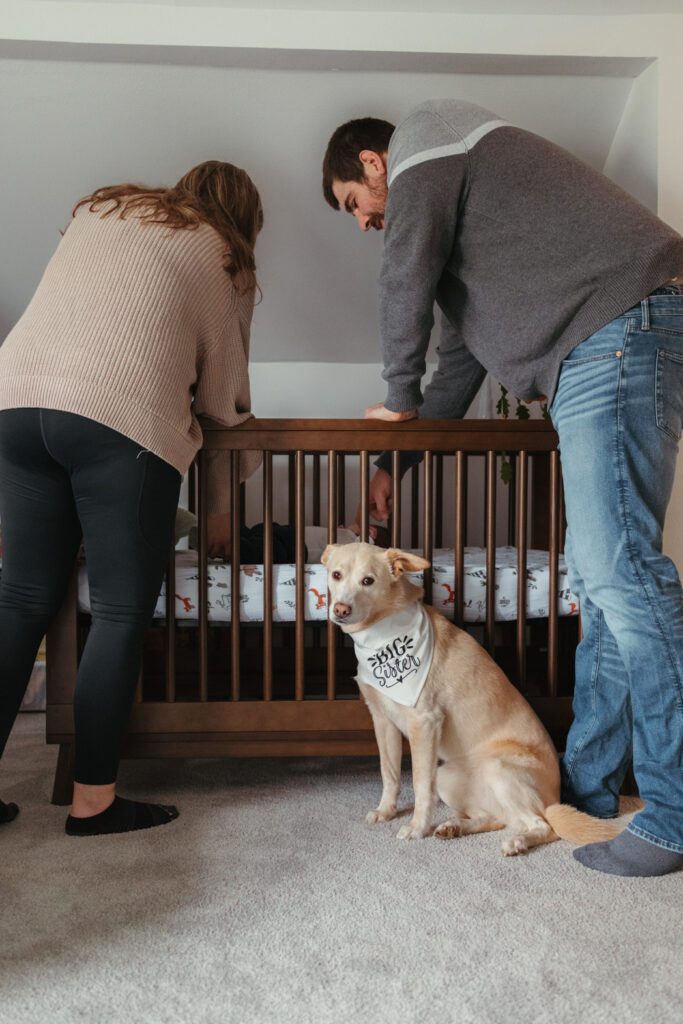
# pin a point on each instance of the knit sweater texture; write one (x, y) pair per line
(526, 250)
(138, 326)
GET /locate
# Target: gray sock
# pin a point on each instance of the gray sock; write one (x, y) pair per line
(629, 855)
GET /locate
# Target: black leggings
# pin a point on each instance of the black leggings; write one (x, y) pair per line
(62, 478)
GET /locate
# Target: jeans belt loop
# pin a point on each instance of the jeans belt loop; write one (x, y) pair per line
(645, 315)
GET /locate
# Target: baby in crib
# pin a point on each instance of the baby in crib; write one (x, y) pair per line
(284, 539)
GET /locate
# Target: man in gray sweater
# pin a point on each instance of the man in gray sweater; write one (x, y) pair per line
(559, 284)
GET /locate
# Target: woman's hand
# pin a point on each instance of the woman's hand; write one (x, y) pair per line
(378, 412)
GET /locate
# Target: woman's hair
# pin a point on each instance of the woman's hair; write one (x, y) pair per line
(215, 193)
(342, 160)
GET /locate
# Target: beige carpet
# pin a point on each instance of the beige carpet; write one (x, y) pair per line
(269, 899)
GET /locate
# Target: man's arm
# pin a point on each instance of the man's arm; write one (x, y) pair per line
(427, 178)
(450, 392)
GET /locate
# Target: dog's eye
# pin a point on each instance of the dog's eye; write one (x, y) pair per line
(367, 581)
(336, 575)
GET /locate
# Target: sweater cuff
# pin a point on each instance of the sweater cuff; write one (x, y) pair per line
(403, 397)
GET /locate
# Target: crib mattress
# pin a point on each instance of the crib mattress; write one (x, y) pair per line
(284, 588)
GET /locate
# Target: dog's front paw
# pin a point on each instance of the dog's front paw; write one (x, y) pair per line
(379, 815)
(413, 831)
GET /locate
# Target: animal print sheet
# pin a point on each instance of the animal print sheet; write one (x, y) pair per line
(284, 588)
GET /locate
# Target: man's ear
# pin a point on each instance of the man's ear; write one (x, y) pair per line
(327, 552)
(404, 561)
(374, 164)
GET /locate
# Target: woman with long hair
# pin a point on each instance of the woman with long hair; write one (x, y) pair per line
(140, 324)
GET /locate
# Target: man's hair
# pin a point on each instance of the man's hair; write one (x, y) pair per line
(342, 161)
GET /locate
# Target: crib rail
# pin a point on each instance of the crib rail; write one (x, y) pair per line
(210, 689)
(335, 443)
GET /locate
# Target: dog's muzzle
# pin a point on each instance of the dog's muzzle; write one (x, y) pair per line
(341, 611)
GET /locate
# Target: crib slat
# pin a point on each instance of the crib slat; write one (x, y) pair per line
(553, 574)
(489, 628)
(170, 630)
(292, 488)
(438, 511)
(341, 489)
(203, 581)
(331, 539)
(522, 525)
(512, 490)
(364, 506)
(395, 500)
(341, 516)
(267, 575)
(192, 487)
(299, 521)
(427, 540)
(235, 602)
(317, 633)
(459, 536)
(414, 506)
(316, 490)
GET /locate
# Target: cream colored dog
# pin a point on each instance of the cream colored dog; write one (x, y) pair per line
(499, 767)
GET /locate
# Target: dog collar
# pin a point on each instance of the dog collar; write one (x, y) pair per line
(395, 654)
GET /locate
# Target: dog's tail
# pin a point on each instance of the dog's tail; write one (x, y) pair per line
(580, 828)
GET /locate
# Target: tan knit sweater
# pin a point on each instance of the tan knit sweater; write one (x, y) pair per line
(139, 327)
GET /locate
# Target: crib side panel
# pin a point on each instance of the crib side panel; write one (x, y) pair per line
(284, 683)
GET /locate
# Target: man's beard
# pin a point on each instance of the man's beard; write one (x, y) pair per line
(378, 192)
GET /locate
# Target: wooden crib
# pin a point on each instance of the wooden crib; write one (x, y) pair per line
(232, 688)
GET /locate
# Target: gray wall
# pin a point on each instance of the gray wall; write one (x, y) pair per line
(68, 127)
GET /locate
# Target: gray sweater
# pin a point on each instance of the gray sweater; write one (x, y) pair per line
(526, 250)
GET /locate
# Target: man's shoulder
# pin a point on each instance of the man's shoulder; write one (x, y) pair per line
(458, 116)
(435, 124)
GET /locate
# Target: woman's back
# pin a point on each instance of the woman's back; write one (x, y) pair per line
(120, 325)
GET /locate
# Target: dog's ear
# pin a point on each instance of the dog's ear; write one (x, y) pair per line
(327, 552)
(404, 561)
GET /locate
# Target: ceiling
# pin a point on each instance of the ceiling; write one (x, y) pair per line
(545, 7)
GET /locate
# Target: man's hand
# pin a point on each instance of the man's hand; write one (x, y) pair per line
(378, 412)
(219, 536)
(379, 497)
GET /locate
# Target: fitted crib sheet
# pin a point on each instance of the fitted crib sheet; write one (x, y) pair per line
(284, 588)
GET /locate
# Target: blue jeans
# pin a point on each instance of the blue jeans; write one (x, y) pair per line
(618, 411)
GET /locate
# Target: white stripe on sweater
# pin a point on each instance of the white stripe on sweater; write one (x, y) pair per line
(462, 146)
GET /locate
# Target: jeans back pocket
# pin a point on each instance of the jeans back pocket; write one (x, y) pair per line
(670, 392)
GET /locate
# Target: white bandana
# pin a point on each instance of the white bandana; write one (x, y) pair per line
(395, 654)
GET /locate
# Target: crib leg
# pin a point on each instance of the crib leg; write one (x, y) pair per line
(64, 775)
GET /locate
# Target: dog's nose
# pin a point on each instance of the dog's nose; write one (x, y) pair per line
(341, 611)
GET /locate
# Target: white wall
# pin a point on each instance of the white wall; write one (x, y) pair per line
(632, 158)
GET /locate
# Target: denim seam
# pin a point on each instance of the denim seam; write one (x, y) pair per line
(569, 363)
(655, 840)
(665, 330)
(600, 619)
(589, 726)
(626, 519)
